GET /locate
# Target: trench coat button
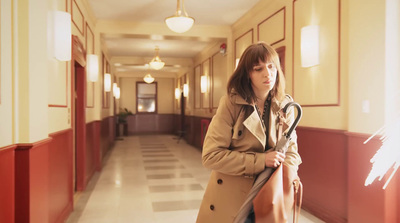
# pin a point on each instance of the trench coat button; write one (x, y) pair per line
(212, 207)
(219, 181)
(240, 132)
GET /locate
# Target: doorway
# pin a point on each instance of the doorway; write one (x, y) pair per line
(78, 104)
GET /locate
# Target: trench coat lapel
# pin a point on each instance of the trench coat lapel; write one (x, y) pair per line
(254, 125)
(253, 122)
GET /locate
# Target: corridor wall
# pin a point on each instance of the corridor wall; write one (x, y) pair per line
(36, 112)
(7, 129)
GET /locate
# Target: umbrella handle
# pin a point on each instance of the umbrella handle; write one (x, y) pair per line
(296, 121)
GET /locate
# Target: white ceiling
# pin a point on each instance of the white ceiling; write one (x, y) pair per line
(205, 12)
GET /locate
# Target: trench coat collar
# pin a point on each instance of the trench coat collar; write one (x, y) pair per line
(275, 104)
(253, 122)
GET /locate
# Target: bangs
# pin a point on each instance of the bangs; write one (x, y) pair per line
(260, 53)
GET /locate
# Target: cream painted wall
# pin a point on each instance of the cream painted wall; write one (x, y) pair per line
(128, 93)
(60, 72)
(366, 64)
(6, 82)
(165, 94)
(31, 78)
(312, 116)
(221, 72)
(59, 79)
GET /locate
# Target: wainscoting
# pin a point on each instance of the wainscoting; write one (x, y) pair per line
(7, 185)
(324, 172)
(335, 166)
(151, 123)
(60, 176)
(32, 181)
(44, 173)
(107, 136)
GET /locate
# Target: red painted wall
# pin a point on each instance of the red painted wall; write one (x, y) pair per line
(7, 177)
(335, 166)
(32, 182)
(96, 143)
(368, 204)
(324, 172)
(107, 135)
(91, 151)
(151, 123)
(60, 176)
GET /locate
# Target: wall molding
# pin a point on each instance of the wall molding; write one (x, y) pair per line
(238, 38)
(10, 147)
(269, 17)
(28, 146)
(339, 58)
(82, 28)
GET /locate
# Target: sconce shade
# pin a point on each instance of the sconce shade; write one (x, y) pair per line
(309, 46)
(180, 22)
(117, 93)
(148, 78)
(92, 67)
(156, 62)
(107, 82)
(62, 35)
(115, 89)
(203, 84)
(185, 90)
(177, 93)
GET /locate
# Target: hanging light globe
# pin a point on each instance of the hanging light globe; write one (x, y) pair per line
(180, 22)
(148, 78)
(156, 62)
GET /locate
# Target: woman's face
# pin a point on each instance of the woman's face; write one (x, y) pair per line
(263, 76)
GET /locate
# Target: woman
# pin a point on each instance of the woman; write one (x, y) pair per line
(242, 132)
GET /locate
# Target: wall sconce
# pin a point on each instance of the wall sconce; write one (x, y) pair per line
(62, 35)
(177, 93)
(107, 82)
(115, 89)
(309, 46)
(203, 84)
(118, 93)
(92, 67)
(185, 90)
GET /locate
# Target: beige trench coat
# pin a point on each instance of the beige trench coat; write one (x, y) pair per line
(233, 148)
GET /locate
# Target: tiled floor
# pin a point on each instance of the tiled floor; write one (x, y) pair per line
(147, 179)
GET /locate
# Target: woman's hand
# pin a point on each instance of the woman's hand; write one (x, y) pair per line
(274, 159)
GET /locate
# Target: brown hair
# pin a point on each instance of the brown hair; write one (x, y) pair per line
(240, 79)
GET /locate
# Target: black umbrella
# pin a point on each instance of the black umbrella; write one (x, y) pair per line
(263, 177)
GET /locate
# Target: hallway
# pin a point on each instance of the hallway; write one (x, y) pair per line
(147, 178)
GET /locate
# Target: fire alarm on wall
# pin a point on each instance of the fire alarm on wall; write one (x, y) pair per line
(222, 49)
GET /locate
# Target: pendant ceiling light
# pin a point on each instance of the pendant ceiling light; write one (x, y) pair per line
(156, 62)
(180, 22)
(148, 79)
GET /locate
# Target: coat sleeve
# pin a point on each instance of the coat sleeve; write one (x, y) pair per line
(216, 154)
(292, 156)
